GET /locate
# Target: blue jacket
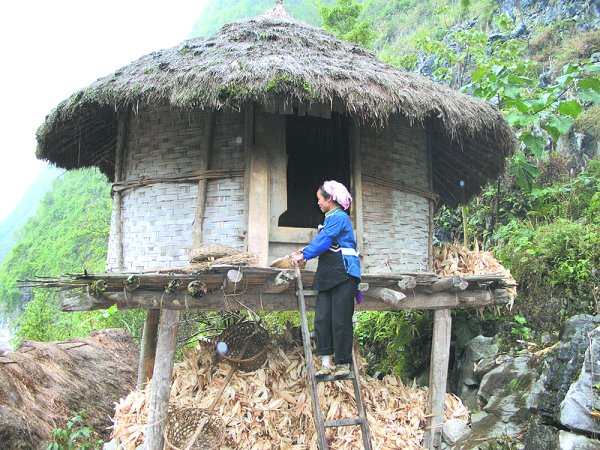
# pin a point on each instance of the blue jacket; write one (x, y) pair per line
(336, 231)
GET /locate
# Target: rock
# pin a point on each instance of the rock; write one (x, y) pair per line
(505, 392)
(563, 364)
(571, 441)
(576, 408)
(478, 358)
(113, 444)
(519, 30)
(540, 436)
(454, 429)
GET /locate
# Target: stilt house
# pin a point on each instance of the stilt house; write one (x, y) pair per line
(225, 139)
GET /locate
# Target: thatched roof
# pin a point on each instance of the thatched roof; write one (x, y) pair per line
(274, 56)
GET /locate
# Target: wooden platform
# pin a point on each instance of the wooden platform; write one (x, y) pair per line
(260, 288)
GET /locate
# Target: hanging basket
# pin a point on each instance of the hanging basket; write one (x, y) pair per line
(235, 338)
(183, 423)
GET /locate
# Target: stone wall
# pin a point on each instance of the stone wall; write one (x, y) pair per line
(396, 224)
(157, 220)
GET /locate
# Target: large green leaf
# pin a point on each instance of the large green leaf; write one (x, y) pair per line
(571, 108)
(534, 143)
(592, 83)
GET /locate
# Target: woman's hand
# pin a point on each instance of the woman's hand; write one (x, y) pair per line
(297, 258)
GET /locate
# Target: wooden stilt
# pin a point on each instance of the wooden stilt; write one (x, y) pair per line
(161, 380)
(438, 374)
(148, 347)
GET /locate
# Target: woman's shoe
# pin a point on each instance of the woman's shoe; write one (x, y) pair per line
(342, 371)
(323, 372)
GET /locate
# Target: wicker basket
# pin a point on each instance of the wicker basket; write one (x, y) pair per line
(236, 336)
(183, 423)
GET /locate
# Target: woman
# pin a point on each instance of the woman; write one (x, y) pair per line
(336, 279)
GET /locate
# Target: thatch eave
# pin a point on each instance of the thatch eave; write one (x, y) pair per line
(273, 57)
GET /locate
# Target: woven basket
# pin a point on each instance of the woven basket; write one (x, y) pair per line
(236, 336)
(183, 423)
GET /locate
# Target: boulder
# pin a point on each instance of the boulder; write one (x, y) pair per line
(563, 365)
(454, 430)
(479, 356)
(572, 441)
(576, 408)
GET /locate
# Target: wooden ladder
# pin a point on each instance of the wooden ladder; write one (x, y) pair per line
(354, 376)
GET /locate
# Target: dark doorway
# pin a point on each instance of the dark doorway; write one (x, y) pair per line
(317, 150)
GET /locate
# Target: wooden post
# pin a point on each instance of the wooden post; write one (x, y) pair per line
(357, 182)
(158, 408)
(117, 195)
(427, 131)
(438, 374)
(204, 164)
(268, 131)
(148, 347)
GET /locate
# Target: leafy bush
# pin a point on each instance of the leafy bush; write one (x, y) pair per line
(75, 435)
(395, 341)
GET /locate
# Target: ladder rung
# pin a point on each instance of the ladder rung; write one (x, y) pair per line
(344, 422)
(308, 293)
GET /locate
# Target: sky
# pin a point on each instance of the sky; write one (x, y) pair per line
(49, 49)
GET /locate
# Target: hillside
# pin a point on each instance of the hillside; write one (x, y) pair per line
(25, 209)
(219, 12)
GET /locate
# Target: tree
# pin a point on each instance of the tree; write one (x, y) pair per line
(342, 20)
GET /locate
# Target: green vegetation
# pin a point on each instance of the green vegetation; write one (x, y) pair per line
(69, 233)
(342, 20)
(75, 435)
(221, 12)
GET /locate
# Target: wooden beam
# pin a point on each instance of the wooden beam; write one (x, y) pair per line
(278, 283)
(148, 347)
(388, 296)
(407, 283)
(431, 203)
(231, 282)
(357, 184)
(285, 301)
(438, 374)
(203, 165)
(452, 284)
(117, 196)
(158, 407)
(268, 130)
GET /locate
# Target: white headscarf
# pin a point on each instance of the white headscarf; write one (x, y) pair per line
(338, 192)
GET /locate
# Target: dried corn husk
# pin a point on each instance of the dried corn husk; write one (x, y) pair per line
(210, 252)
(285, 262)
(459, 260)
(271, 408)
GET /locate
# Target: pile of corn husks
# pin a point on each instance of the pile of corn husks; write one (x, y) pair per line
(271, 407)
(459, 260)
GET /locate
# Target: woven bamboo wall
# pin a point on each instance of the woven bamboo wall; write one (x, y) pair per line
(396, 223)
(224, 215)
(157, 220)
